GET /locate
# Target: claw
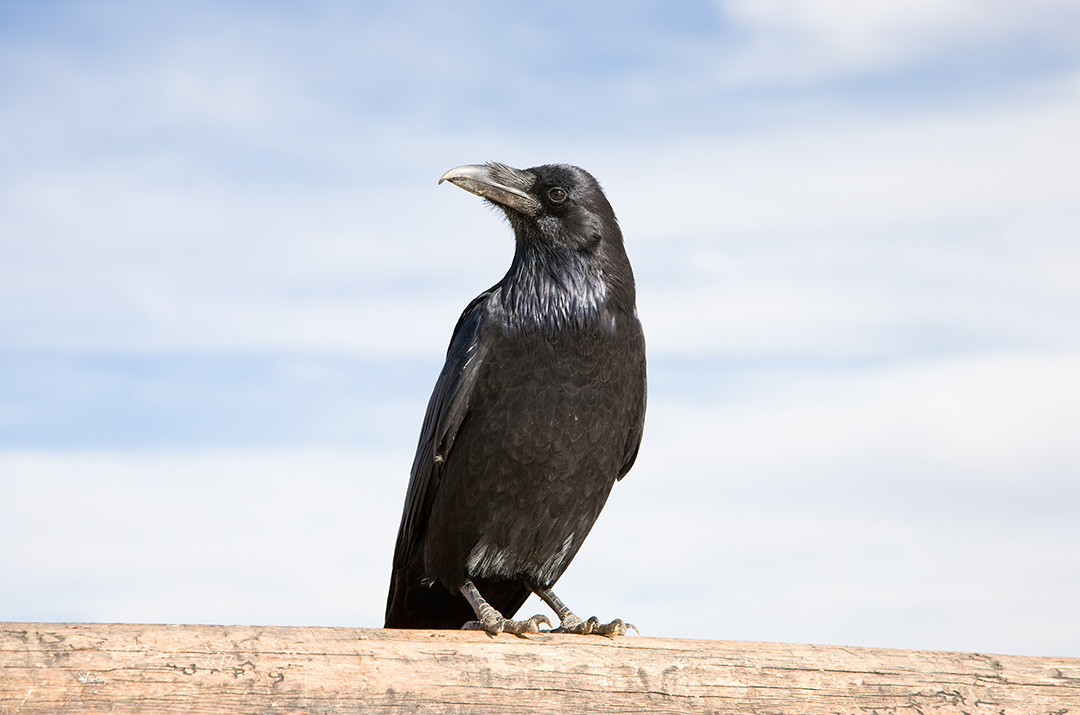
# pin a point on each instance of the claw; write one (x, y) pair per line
(570, 622)
(497, 624)
(618, 627)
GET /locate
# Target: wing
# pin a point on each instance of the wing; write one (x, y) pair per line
(447, 408)
(637, 428)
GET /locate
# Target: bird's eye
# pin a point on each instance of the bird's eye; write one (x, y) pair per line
(557, 194)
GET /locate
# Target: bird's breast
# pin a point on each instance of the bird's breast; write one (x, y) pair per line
(556, 395)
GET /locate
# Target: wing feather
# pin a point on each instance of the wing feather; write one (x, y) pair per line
(637, 428)
(446, 410)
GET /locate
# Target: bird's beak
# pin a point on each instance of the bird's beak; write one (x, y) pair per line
(498, 183)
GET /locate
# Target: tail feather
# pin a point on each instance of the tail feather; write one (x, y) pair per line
(410, 604)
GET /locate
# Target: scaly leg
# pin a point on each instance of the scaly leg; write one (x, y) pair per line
(492, 621)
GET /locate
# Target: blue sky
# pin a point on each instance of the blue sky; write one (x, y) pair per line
(227, 278)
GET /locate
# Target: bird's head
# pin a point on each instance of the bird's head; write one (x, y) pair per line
(553, 206)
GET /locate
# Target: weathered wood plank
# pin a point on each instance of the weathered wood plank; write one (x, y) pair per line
(96, 668)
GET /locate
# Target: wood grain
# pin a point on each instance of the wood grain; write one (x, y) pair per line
(97, 668)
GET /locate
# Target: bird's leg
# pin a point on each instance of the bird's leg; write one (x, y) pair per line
(492, 621)
(570, 622)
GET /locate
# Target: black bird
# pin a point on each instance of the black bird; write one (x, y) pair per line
(538, 411)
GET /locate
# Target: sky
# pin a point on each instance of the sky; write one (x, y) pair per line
(228, 278)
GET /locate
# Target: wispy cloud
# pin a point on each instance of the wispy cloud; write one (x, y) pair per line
(819, 40)
(192, 537)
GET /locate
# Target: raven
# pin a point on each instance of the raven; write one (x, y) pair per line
(538, 410)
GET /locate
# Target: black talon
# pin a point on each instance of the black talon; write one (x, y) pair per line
(494, 622)
(498, 624)
(618, 627)
(570, 622)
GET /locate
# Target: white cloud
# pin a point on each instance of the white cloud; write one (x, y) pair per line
(988, 417)
(842, 171)
(302, 537)
(801, 40)
(838, 230)
(226, 190)
(900, 506)
(860, 236)
(897, 506)
(176, 243)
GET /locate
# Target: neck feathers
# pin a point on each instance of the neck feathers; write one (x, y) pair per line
(554, 292)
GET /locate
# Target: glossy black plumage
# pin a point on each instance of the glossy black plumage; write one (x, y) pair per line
(538, 410)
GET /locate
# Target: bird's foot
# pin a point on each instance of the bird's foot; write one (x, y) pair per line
(570, 622)
(495, 624)
(618, 627)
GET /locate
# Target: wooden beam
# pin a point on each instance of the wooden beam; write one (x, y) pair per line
(96, 668)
